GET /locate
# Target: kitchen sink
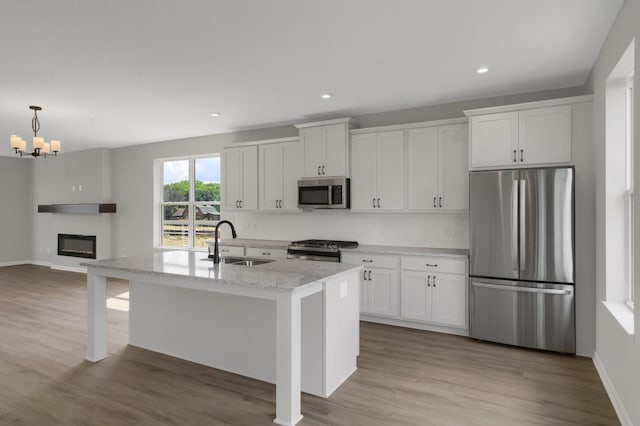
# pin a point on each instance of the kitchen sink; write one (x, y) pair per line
(242, 261)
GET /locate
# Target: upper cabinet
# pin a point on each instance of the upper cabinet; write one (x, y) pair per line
(437, 168)
(280, 169)
(377, 181)
(528, 136)
(240, 178)
(325, 147)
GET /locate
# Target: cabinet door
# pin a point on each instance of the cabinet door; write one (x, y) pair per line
(271, 159)
(449, 299)
(545, 135)
(363, 176)
(383, 292)
(249, 199)
(416, 296)
(390, 171)
(335, 150)
(494, 140)
(232, 175)
(423, 168)
(311, 138)
(292, 171)
(453, 169)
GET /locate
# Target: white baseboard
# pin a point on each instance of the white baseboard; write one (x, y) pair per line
(624, 418)
(15, 262)
(40, 263)
(416, 325)
(80, 269)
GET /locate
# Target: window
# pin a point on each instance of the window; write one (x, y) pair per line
(629, 189)
(190, 201)
(619, 197)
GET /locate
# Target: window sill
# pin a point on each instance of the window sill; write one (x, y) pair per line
(623, 314)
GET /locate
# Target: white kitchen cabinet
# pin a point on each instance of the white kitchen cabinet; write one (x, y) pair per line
(240, 178)
(545, 135)
(536, 136)
(377, 181)
(379, 283)
(325, 148)
(438, 169)
(434, 290)
(273, 253)
(280, 169)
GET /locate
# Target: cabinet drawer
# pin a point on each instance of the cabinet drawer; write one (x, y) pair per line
(373, 260)
(434, 264)
(266, 252)
(230, 250)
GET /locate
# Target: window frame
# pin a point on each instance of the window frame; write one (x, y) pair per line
(629, 190)
(191, 204)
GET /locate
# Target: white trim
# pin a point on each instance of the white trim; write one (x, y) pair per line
(40, 263)
(262, 142)
(407, 126)
(529, 105)
(623, 416)
(347, 120)
(80, 269)
(622, 313)
(15, 263)
(415, 325)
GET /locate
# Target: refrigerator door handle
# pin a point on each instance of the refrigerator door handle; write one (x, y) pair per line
(523, 289)
(523, 224)
(514, 226)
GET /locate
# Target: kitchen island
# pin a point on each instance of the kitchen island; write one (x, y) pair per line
(288, 322)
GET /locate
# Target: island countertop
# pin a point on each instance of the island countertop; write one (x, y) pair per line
(284, 275)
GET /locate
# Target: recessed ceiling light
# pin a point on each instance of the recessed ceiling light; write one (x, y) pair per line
(482, 70)
(326, 96)
(215, 114)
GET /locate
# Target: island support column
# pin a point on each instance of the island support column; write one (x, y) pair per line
(288, 364)
(96, 317)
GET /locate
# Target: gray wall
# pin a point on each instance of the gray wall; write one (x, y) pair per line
(617, 353)
(15, 209)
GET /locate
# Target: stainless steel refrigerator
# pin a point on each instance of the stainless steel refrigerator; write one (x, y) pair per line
(522, 257)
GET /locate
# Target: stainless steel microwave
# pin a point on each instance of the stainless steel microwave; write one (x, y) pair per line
(329, 193)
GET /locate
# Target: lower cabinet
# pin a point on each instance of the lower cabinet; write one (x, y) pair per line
(414, 291)
(379, 292)
(434, 297)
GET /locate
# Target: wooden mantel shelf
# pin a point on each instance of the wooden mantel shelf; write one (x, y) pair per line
(84, 208)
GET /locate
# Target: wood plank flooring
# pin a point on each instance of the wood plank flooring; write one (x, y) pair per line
(404, 377)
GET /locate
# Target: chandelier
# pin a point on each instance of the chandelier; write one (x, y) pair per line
(40, 147)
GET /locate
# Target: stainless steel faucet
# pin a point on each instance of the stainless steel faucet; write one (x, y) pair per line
(216, 249)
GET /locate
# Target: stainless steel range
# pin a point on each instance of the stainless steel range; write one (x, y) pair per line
(323, 250)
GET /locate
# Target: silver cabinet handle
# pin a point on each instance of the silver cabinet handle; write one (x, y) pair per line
(523, 289)
(319, 170)
(434, 265)
(323, 170)
(378, 202)
(434, 202)
(373, 203)
(440, 201)
(515, 159)
(522, 155)
(367, 260)
(428, 280)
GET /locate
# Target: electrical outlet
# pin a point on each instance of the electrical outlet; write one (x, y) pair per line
(80, 188)
(73, 188)
(48, 250)
(41, 249)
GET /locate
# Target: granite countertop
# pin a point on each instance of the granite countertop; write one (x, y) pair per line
(287, 275)
(400, 250)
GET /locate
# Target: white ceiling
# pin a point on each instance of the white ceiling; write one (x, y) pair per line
(121, 72)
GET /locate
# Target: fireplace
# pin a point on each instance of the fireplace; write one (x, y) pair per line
(77, 245)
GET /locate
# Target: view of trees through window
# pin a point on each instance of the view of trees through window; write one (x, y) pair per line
(190, 201)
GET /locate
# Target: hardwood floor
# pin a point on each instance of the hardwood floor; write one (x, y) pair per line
(404, 377)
